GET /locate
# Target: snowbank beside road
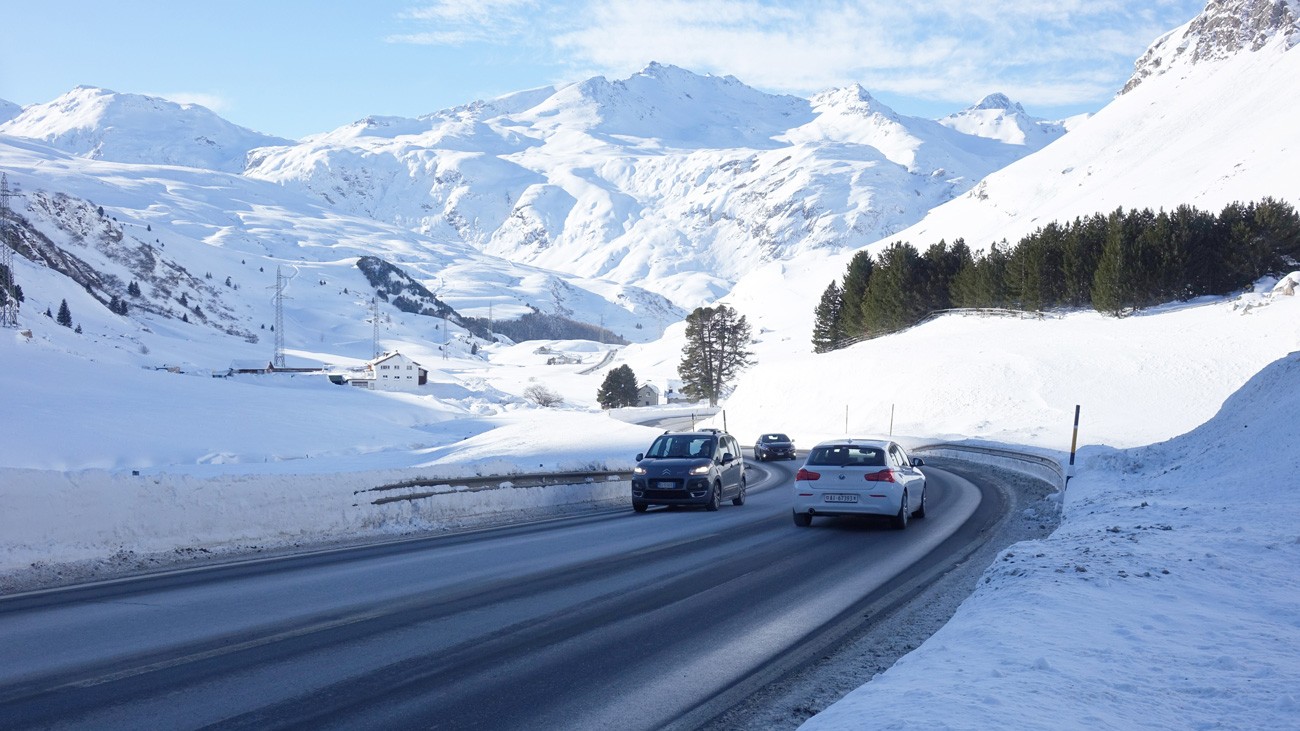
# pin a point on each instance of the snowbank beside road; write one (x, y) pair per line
(1166, 599)
(60, 518)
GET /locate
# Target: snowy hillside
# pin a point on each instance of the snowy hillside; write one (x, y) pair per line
(204, 248)
(1161, 602)
(104, 125)
(669, 177)
(1209, 129)
(1217, 131)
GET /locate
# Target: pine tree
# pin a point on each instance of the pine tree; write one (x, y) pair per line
(64, 317)
(894, 298)
(939, 267)
(715, 352)
(1196, 241)
(828, 334)
(1035, 272)
(1113, 288)
(852, 293)
(1084, 240)
(619, 389)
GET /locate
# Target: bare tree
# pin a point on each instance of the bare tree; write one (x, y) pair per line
(542, 396)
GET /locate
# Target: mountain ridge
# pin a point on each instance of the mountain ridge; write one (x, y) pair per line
(134, 128)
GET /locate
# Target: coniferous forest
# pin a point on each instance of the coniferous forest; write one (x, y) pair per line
(1115, 263)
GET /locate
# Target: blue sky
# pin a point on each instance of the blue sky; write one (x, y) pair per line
(297, 67)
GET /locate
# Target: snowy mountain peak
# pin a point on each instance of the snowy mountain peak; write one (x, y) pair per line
(999, 101)
(996, 117)
(852, 98)
(1224, 29)
(133, 128)
(670, 105)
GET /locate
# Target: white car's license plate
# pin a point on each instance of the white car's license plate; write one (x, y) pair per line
(666, 485)
(837, 498)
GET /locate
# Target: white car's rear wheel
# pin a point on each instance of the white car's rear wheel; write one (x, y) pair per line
(900, 520)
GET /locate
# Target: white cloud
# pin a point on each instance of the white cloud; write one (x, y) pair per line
(458, 22)
(947, 50)
(1059, 53)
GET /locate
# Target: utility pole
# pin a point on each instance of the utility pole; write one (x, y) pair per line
(9, 309)
(374, 327)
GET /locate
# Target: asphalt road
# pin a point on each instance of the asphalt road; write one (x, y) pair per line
(608, 620)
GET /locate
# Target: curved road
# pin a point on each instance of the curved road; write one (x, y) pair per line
(607, 620)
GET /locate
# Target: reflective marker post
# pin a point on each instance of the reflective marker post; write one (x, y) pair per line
(1074, 443)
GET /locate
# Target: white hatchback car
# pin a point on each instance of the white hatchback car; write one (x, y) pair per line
(859, 477)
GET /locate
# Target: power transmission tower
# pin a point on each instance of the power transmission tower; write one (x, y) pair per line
(9, 310)
(278, 361)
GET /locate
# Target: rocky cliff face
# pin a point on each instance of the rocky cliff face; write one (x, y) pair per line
(1224, 29)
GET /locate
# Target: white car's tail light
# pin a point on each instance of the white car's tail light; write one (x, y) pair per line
(885, 475)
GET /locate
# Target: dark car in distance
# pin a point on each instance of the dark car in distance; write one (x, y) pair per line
(700, 468)
(773, 446)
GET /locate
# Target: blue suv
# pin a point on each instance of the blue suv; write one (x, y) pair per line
(700, 468)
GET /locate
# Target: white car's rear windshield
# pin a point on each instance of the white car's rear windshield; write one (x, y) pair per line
(847, 455)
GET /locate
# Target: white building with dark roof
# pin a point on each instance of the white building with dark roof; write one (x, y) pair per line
(392, 372)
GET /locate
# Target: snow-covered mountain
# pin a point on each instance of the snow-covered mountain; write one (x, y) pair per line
(999, 118)
(1207, 119)
(1215, 128)
(670, 179)
(105, 125)
(598, 199)
(204, 248)
(8, 110)
(667, 181)
(1226, 29)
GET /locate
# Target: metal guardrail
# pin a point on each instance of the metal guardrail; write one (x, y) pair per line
(1048, 462)
(453, 485)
